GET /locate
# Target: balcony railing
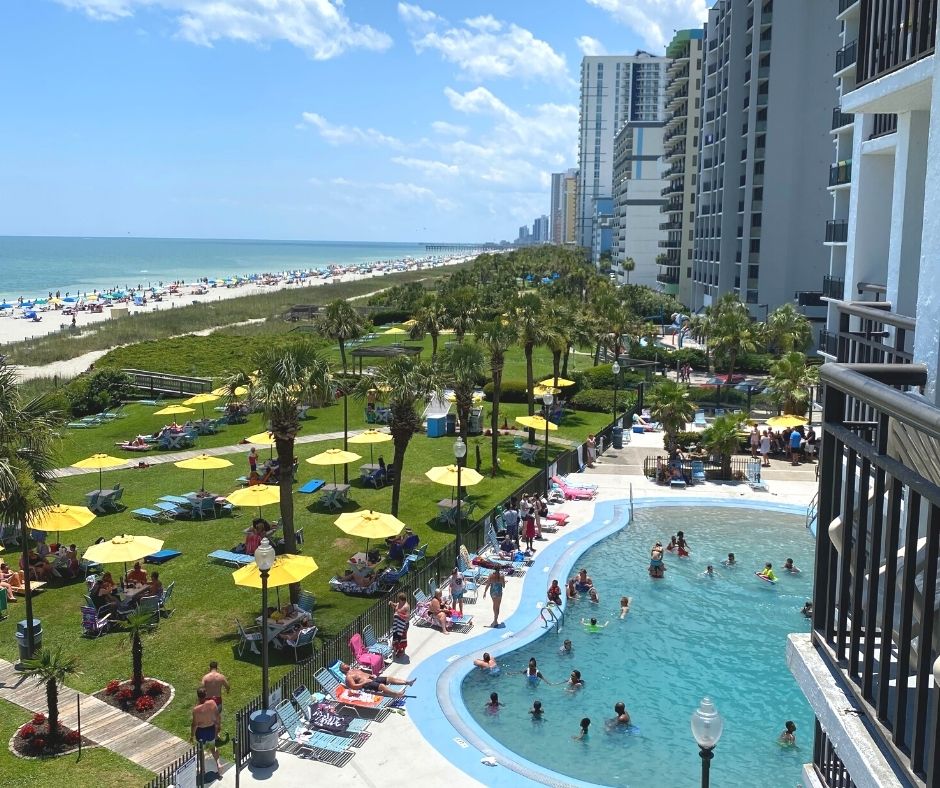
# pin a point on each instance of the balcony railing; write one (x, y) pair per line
(877, 557)
(828, 342)
(869, 333)
(837, 232)
(840, 173)
(828, 765)
(840, 118)
(894, 34)
(846, 56)
(668, 277)
(846, 4)
(833, 287)
(884, 123)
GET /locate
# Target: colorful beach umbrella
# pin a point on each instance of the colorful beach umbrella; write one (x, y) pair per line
(173, 410)
(122, 549)
(556, 382)
(100, 462)
(203, 462)
(540, 391)
(334, 457)
(536, 423)
(202, 399)
(781, 422)
(447, 474)
(263, 439)
(223, 391)
(369, 525)
(287, 569)
(371, 437)
(257, 495)
(60, 517)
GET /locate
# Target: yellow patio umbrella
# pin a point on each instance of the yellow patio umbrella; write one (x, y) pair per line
(448, 331)
(779, 422)
(202, 399)
(122, 549)
(287, 569)
(410, 323)
(369, 525)
(173, 410)
(540, 391)
(395, 331)
(60, 517)
(263, 439)
(100, 462)
(257, 495)
(222, 391)
(478, 396)
(536, 423)
(559, 382)
(333, 457)
(370, 437)
(447, 474)
(203, 462)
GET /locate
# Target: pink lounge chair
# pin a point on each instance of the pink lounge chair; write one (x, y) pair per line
(559, 517)
(573, 493)
(363, 656)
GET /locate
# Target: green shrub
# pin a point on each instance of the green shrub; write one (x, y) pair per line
(601, 401)
(693, 356)
(688, 440)
(600, 377)
(709, 395)
(98, 391)
(385, 316)
(511, 391)
(754, 363)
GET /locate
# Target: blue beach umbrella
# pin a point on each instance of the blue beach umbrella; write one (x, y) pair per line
(5, 305)
(69, 300)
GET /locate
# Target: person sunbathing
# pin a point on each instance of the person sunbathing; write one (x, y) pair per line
(378, 685)
(438, 611)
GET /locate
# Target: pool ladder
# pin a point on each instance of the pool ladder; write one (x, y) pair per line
(552, 616)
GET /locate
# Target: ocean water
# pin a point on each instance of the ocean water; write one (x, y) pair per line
(33, 266)
(686, 636)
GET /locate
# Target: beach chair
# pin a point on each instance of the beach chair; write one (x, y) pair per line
(358, 701)
(164, 599)
(363, 657)
(390, 576)
(397, 552)
(93, 624)
(375, 478)
(310, 704)
(699, 420)
(418, 555)
(150, 604)
(300, 742)
(354, 589)
(9, 534)
(303, 638)
(307, 602)
(698, 471)
(150, 515)
(376, 646)
(230, 558)
(753, 477)
(169, 509)
(573, 493)
(248, 638)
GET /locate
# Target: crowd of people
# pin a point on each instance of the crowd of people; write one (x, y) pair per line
(797, 443)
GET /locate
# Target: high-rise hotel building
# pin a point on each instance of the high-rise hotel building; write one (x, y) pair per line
(615, 89)
(765, 150)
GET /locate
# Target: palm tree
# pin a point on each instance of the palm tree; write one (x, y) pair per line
(788, 330)
(629, 265)
(582, 333)
(51, 667)
(431, 318)
(408, 382)
(531, 330)
(287, 377)
(28, 442)
(722, 439)
(341, 322)
(732, 331)
(135, 625)
(670, 406)
(463, 310)
(790, 381)
(497, 336)
(462, 367)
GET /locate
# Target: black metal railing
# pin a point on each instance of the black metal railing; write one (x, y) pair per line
(833, 287)
(883, 123)
(894, 34)
(167, 778)
(829, 767)
(869, 333)
(878, 554)
(846, 56)
(828, 342)
(659, 467)
(840, 173)
(840, 118)
(846, 4)
(837, 231)
(668, 277)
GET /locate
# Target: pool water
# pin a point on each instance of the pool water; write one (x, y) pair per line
(686, 636)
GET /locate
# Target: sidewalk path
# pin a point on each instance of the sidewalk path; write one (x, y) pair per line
(144, 744)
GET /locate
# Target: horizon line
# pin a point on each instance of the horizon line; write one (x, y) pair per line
(255, 240)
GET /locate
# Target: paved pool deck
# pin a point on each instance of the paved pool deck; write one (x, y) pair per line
(423, 747)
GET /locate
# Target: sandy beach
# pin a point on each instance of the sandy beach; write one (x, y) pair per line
(14, 329)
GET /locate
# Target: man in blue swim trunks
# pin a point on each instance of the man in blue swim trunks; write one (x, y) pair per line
(204, 727)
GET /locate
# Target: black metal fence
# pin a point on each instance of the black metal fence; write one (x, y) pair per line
(829, 767)
(893, 34)
(379, 615)
(168, 777)
(655, 467)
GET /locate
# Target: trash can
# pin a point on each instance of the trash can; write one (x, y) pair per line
(21, 642)
(262, 738)
(451, 423)
(616, 437)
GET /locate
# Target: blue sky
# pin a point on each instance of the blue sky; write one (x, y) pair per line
(298, 119)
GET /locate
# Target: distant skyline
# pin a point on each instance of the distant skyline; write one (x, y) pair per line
(298, 119)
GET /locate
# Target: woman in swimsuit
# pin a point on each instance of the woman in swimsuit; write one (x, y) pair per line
(673, 545)
(495, 584)
(400, 623)
(683, 546)
(571, 592)
(656, 569)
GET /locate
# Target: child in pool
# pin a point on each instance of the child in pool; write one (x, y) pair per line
(533, 675)
(730, 560)
(790, 567)
(536, 711)
(566, 649)
(583, 733)
(493, 706)
(592, 625)
(768, 572)
(624, 606)
(570, 591)
(788, 737)
(592, 596)
(709, 571)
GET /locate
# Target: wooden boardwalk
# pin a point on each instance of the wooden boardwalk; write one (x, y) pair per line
(146, 745)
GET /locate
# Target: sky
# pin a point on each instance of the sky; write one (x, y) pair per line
(299, 119)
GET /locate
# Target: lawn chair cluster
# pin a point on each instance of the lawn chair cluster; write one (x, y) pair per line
(107, 501)
(185, 507)
(422, 617)
(572, 493)
(105, 417)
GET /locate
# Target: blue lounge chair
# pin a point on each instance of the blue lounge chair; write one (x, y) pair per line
(161, 556)
(700, 419)
(418, 555)
(313, 745)
(305, 700)
(312, 486)
(373, 644)
(233, 559)
(151, 515)
(698, 471)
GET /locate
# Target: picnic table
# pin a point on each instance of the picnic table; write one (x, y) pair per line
(99, 500)
(275, 628)
(334, 495)
(529, 451)
(365, 471)
(447, 511)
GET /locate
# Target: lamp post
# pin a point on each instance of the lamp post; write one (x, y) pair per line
(615, 368)
(548, 398)
(460, 451)
(262, 722)
(706, 728)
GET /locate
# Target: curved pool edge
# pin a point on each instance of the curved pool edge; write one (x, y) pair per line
(448, 726)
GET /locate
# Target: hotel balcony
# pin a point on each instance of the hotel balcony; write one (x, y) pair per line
(837, 231)
(841, 119)
(833, 287)
(671, 243)
(845, 5)
(894, 34)
(846, 57)
(840, 173)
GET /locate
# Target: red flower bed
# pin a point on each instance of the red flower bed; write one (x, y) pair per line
(144, 703)
(39, 718)
(113, 686)
(34, 740)
(27, 731)
(120, 694)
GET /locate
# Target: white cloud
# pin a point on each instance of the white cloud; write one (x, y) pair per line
(484, 47)
(478, 100)
(347, 135)
(403, 190)
(427, 166)
(655, 20)
(590, 46)
(450, 129)
(318, 27)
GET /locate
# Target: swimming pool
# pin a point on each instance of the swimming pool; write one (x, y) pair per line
(686, 636)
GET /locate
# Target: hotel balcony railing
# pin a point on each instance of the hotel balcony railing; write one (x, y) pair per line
(840, 173)
(833, 287)
(840, 118)
(671, 226)
(884, 123)
(668, 277)
(846, 4)
(874, 621)
(828, 342)
(837, 232)
(846, 56)
(828, 765)
(670, 243)
(893, 34)
(870, 333)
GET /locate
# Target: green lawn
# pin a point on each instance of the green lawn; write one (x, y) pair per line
(98, 766)
(206, 600)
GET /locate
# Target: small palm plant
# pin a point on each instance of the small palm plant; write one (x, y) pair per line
(136, 624)
(722, 439)
(670, 406)
(51, 667)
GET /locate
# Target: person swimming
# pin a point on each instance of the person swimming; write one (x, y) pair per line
(488, 664)
(623, 716)
(790, 567)
(788, 737)
(571, 590)
(768, 573)
(730, 560)
(682, 545)
(536, 711)
(583, 733)
(583, 581)
(672, 546)
(493, 706)
(566, 648)
(575, 681)
(624, 606)
(592, 596)
(592, 625)
(709, 571)
(533, 675)
(657, 569)
(807, 610)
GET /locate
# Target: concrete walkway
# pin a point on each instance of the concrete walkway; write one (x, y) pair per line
(144, 744)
